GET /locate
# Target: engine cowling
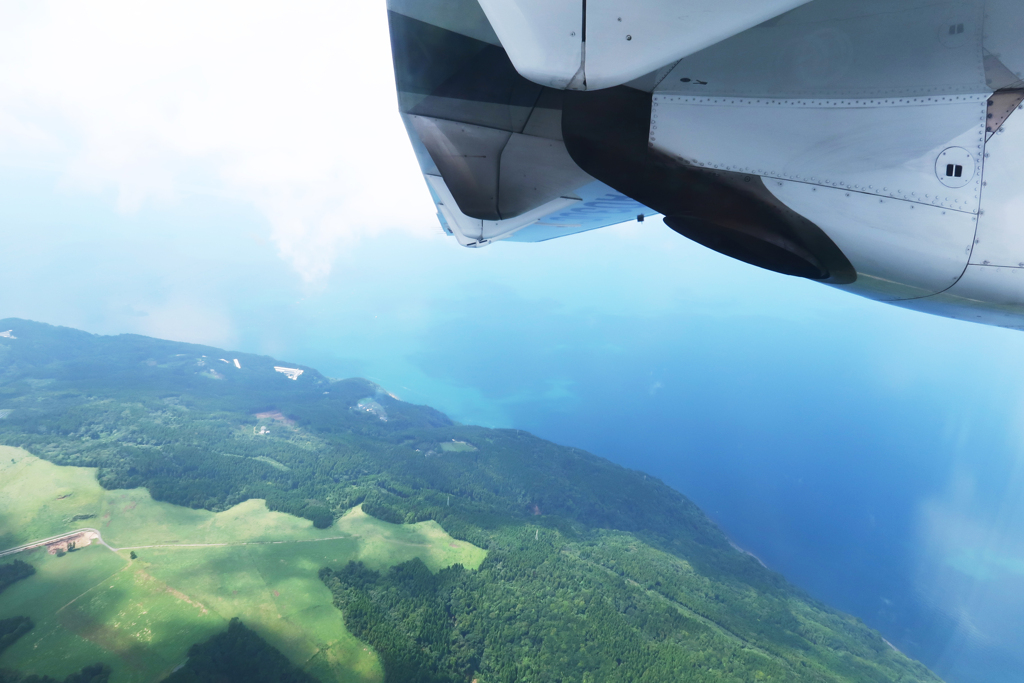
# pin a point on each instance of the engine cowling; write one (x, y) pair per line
(871, 145)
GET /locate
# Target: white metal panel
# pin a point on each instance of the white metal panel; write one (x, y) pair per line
(534, 171)
(543, 38)
(900, 249)
(628, 39)
(883, 147)
(991, 295)
(469, 157)
(1001, 226)
(473, 232)
(843, 49)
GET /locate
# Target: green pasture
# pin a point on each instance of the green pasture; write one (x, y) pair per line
(141, 616)
(38, 499)
(47, 597)
(454, 446)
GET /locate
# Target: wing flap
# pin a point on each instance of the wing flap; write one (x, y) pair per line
(488, 141)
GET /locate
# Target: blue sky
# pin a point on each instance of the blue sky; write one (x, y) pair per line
(244, 181)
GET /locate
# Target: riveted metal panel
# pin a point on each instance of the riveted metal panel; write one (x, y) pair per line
(626, 40)
(841, 49)
(900, 249)
(1000, 239)
(886, 147)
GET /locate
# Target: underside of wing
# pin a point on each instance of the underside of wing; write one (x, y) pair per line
(489, 141)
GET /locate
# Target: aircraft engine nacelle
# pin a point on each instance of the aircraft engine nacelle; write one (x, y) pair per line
(866, 144)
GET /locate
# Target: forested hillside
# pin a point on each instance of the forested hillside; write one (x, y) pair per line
(594, 572)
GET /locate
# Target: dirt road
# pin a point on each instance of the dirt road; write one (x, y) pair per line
(86, 533)
(94, 535)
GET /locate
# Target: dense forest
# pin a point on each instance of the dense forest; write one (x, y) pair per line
(543, 609)
(13, 628)
(238, 655)
(594, 572)
(14, 571)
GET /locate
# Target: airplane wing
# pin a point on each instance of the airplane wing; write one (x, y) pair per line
(870, 145)
(489, 141)
(594, 44)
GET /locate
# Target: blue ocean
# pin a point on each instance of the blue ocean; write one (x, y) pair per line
(870, 455)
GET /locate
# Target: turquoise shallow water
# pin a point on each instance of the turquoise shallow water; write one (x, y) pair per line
(870, 454)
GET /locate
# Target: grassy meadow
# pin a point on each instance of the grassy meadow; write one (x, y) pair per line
(141, 616)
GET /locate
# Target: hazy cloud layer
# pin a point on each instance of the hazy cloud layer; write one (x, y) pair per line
(289, 107)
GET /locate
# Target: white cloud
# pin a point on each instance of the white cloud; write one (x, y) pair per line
(289, 106)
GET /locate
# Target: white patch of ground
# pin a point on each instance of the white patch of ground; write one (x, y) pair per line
(290, 373)
(80, 540)
(747, 552)
(370, 406)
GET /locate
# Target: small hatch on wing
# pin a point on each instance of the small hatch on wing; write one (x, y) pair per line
(955, 167)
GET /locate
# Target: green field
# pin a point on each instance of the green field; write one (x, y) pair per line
(454, 446)
(195, 571)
